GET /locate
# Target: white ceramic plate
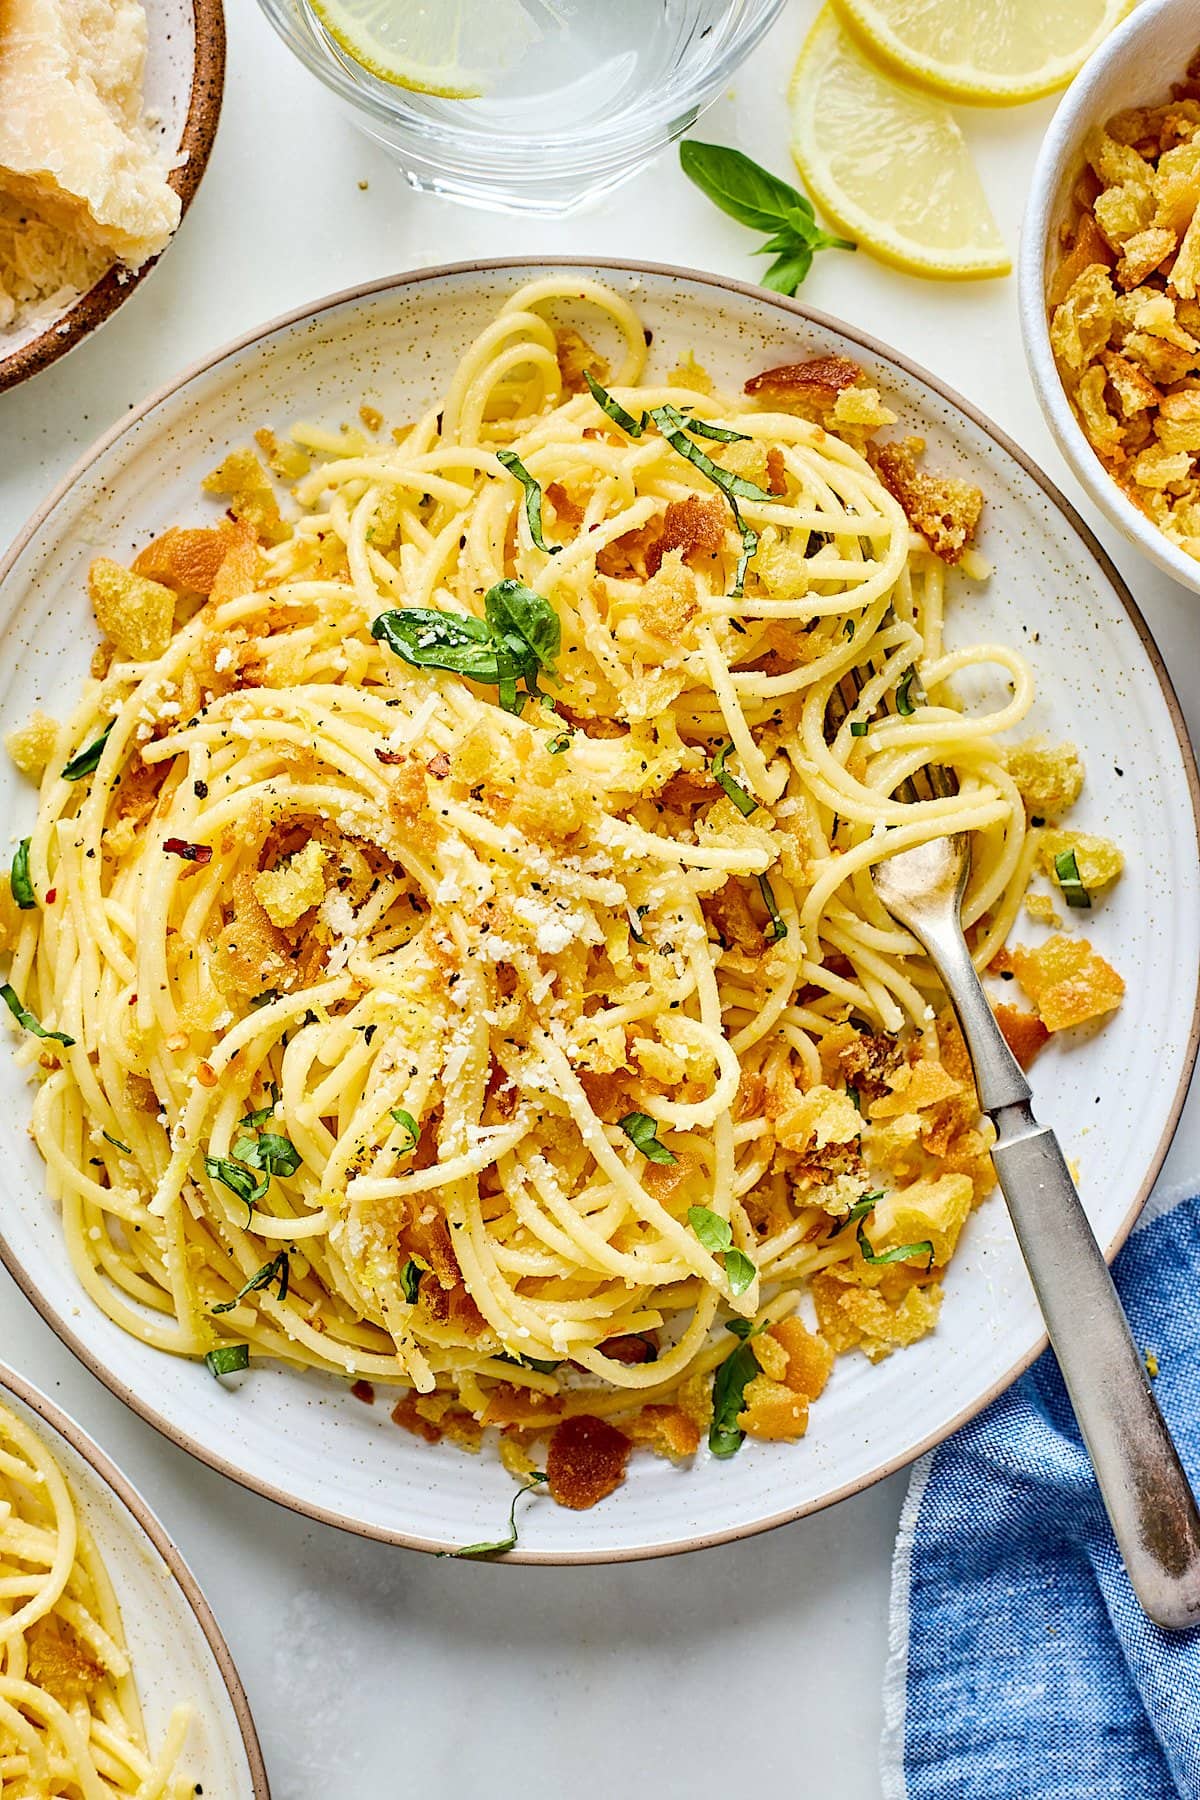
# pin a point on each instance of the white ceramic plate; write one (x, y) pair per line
(179, 1656)
(1114, 1095)
(183, 85)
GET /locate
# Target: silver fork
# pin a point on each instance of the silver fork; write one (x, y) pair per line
(1141, 1479)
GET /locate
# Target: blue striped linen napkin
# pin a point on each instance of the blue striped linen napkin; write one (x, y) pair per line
(1021, 1666)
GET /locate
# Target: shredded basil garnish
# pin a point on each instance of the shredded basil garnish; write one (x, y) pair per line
(410, 1279)
(227, 1359)
(745, 803)
(116, 1142)
(504, 1543)
(778, 922)
(542, 1366)
(642, 1132)
(729, 1390)
(858, 1211)
(675, 428)
(279, 1269)
(635, 915)
(1066, 873)
(613, 408)
(720, 434)
(86, 761)
(257, 1119)
(900, 1254)
(273, 1154)
(560, 742)
(24, 1017)
(18, 880)
(904, 705)
(859, 727)
(407, 1124)
(238, 1179)
(533, 499)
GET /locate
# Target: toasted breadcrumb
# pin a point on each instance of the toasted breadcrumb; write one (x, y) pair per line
(186, 560)
(575, 357)
(286, 460)
(943, 508)
(296, 885)
(242, 479)
(1048, 777)
(1067, 981)
(135, 613)
(1023, 1032)
(32, 745)
(585, 1461)
(1098, 860)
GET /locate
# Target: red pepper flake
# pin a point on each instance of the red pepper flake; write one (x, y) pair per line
(362, 1390)
(195, 853)
(439, 766)
(390, 757)
(51, 896)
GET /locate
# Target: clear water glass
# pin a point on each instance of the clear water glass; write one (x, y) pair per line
(595, 88)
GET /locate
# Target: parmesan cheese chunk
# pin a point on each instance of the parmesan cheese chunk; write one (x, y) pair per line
(72, 143)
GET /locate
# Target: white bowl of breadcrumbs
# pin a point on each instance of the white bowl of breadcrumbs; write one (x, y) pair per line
(1110, 281)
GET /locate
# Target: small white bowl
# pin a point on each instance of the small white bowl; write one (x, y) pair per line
(1134, 67)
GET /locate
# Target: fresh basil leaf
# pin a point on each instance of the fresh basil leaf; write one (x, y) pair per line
(24, 1017)
(258, 1118)
(749, 549)
(739, 1271)
(613, 408)
(533, 499)
(116, 1142)
(541, 1364)
(279, 1269)
(227, 1359)
(428, 638)
(714, 1232)
(900, 1254)
(505, 1543)
(730, 1382)
(778, 922)
(859, 727)
(740, 186)
(18, 880)
(745, 803)
(527, 622)
(85, 761)
(642, 1132)
(273, 1154)
(1066, 873)
(238, 1179)
(788, 270)
(410, 1279)
(407, 1123)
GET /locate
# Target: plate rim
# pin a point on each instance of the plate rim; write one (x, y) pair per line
(875, 347)
(190, 160)
(102, 1465)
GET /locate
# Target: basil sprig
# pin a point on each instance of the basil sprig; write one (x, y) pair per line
(500, 1545)
(716, 1234)
(31, 1022)
(730, 1382)
(745, 802)
(754, 197)
(1066, 873)
(87, 760)
(533, 499)
(518, 639)
(642, 1132)
(18, 880)
(278, 1270)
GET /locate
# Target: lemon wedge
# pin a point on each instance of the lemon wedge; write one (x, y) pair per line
(990, 52)
(451, 48)
(887, 163)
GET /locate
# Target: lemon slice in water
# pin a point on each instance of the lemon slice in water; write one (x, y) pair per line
(888, 163)
(452, 48)
(991, 52)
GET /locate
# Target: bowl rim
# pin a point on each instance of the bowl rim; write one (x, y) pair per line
(874, 347)
(114, 287)
(1049, 174)
(102, 1465)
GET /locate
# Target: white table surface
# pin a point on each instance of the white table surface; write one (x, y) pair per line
(375, 1671)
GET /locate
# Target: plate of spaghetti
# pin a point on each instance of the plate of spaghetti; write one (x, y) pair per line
(114, 1678)
(466, 1060)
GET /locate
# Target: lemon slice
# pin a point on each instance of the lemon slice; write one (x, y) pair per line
(887, 163)
(451, 48)
(992, 52)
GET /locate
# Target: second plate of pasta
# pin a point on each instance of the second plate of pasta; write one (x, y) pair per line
(445, 944)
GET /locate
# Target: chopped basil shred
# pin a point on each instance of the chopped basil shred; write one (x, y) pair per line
(273, 1154)
(410, 1279)
(559, 742)
(238, 1179)
(778, 922)
(745, 803)
(1066, 873)
(675, 428)
(86, 761)
(635, 915)
(901, 1253)
(227, 1359)
(613, 408)
(859, 1210)
(541, 1364)
(406, 1123)
(719, 434)
(31, 1022)
(730, 1382)
(116, 1142)
(18, 880)
(859, 727)
(904, 705)
(278, 1270)
(505, 1543)
(533, 499)
(642, 1132)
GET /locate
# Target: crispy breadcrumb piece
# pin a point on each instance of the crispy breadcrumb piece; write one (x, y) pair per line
(59, 1663)
(695, 527)
(1042, 908)
(1023, 1032)
(585, 1461)
(286, 460)
(575, 356)
(819, 380)
(667, 1430)
(943, 508)
(914, 1086)
(406, 1415)
(689, 373)
(1048, 777)
(1098, 860)
(186, 559)
(851, 1316)
(809, 1357)
(135, 613)
(773, 1411)
(242, 479)
(295, 886)
(817, 1119)
(32, 745)
(1067, 981)
(932, 1210)
(252, 953)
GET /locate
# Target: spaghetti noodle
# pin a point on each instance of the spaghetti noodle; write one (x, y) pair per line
(463, 926)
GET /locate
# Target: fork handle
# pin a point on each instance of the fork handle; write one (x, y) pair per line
(1141, 1478)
